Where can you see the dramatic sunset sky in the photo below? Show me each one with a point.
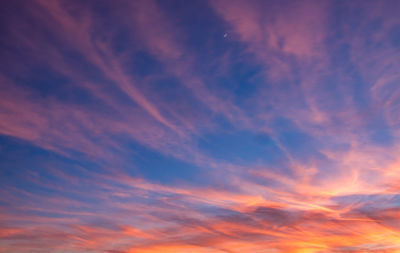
(199, 126)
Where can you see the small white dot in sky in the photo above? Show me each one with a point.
(225, 35)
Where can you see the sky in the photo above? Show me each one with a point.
(201, 126)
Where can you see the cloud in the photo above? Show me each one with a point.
(124, 131)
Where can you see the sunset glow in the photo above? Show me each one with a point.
(199, 126)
